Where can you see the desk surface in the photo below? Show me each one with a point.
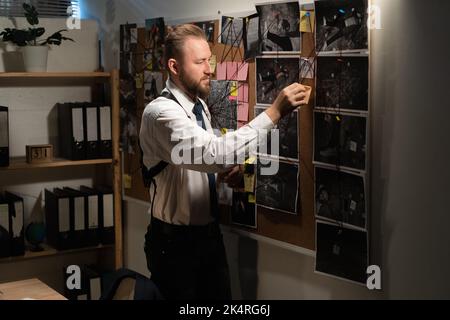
(28, 289)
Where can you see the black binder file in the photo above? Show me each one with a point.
(92, 206)
(4, 137)
(16, 218)
(78, 210)
(59, 219)
(71, 124)
(106, 215)
(92, 131)
(5, 237)
(105, 132)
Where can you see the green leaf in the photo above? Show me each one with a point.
(31, 14)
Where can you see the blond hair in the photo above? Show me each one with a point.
(175, 40)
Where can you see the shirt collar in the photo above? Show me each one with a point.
(183, 98)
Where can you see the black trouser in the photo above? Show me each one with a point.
(187, 262)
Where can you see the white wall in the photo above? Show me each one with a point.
(273, 273)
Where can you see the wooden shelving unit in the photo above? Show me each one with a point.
(21, 164)
(49, 251)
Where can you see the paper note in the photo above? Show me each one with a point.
(251, 198)
(127, 181)
(307, 21)
(243, 92)
(221, 72)
(232, 68)
(234, 89)
(224, 131)
(242, 71)
(213, 63)
(139, 80)
(249, 182)
(250, 160)
(242, 112)
(353, 146)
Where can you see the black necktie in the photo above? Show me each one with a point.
(197, 110)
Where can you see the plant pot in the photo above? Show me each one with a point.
(35, 58)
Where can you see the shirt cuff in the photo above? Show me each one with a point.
(262, 121)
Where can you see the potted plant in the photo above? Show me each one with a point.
(34, 49)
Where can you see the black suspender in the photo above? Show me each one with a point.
(148, 175)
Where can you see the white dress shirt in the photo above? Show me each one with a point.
(182, 192)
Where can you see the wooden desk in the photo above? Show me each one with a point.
(28, 289)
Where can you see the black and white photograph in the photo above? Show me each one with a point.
(278, 190)
(288, 137)
(341, 25)
(209, 28)
(155, 31)
(128, 37)
(342, 83)
(340, 196)
(243, 212)
(232, 31)
(307, 68)
(223, 110)
(252, 43)
(340, 140)
(341, 252)
(279, 26)
(272, 75)
(153, 85)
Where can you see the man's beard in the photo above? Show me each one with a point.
(195, 88)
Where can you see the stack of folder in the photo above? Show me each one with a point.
(84, 131)
(12, 241)
(79, 218)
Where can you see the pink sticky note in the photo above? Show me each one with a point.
(232, 68)
(244, 96)
(242, 112)
(221, 71)
(240, 124)
(242, 71)
(232, 98)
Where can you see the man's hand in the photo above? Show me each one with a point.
(233, 177)
(289, 99)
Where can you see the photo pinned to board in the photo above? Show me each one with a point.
(273, 74)
(243, 211)
(342, 83)
(340, 139)
(277, 185)
(341, 26)
(288, 137)
(279, 27)
(341, 252)
(232, 31)
(223, 110)
(340, 196)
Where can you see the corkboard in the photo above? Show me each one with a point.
(298, 229)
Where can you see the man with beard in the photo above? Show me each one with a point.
(184, 246)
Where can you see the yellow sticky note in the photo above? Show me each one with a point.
(224, 131)
(338, 118)
(251, 198)
(139, 78)
(307, 21)
(249, 182)
(127, 181)
(250, 160)
(213, 63)
(234, 89)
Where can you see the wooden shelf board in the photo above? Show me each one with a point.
(55, 75)
(49, 251)
(21, 163)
